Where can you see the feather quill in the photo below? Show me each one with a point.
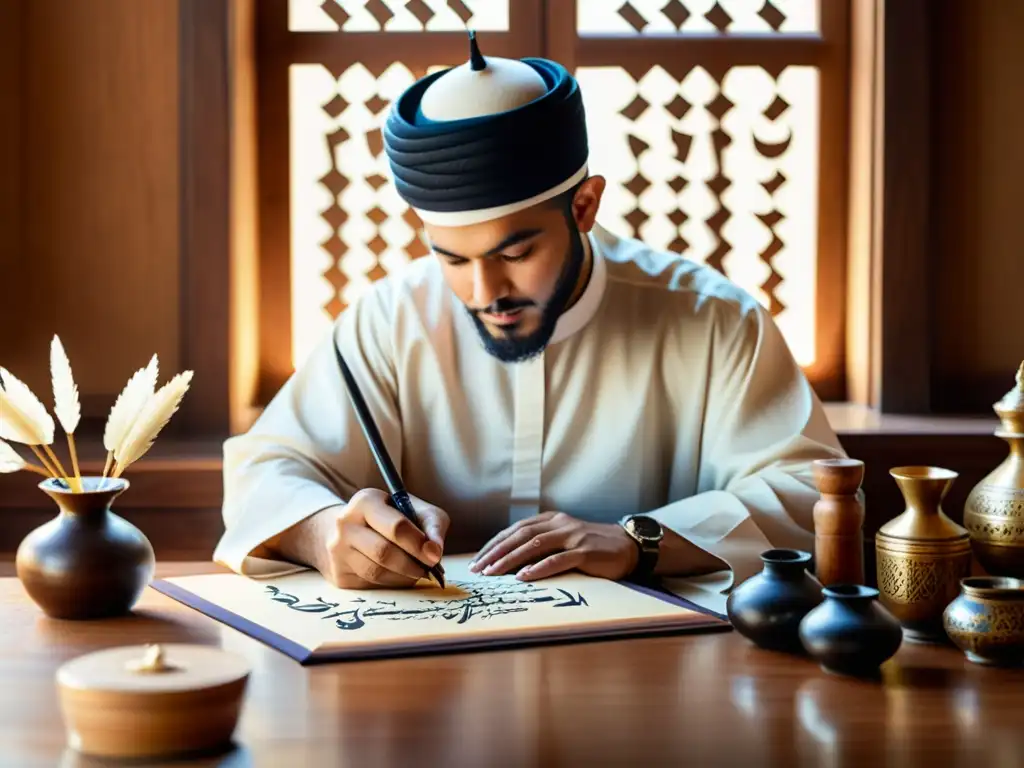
(158, 411)
(23, 418)
(133, 398)
(65, 402)
(65, 392)
(10, 462)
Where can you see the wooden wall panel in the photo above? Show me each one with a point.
(903, 328)
(99, 192)
(205, 166)
(11, 13)
(244, 222)
(862, 336)
(978, 225)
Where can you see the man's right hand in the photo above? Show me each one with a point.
(369, 544)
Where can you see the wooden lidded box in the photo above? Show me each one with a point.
(152, 701)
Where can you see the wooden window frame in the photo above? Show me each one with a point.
(176, 494)
(828, 50)
(277, 50)
(551, 33)
(889, 304)
(886, 345)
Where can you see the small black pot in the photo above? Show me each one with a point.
(851, 633)
(767, 608)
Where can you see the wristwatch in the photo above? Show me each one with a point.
(647, 533)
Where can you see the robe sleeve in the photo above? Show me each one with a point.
(764, 426)
(307, 452)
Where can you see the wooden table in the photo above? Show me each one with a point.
(702, 700)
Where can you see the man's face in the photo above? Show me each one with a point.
(516, 275)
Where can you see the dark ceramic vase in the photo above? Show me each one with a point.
(851, 633)
(86, 563)
(767, 608)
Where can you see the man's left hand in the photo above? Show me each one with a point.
(554, 542)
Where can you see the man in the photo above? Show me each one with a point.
(573, 399)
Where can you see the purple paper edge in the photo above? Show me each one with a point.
(306, 657)
(395, 650)
(669, 597)
(288, 647)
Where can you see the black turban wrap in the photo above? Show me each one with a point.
(485, 162)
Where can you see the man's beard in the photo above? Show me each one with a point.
(516, 349)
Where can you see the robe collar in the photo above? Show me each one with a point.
(581, 313)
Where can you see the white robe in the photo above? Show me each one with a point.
(665, 390)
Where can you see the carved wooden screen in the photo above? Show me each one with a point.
(720, 126)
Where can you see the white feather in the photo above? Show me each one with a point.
(65, 392)
(133, 398)
(153, 418)
(10, 461)
(23, 418)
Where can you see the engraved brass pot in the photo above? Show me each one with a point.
(994, 512)
(986, 621)
(921, 555)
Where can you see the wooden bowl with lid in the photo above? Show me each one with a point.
(152, 701)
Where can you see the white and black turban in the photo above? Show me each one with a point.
(486, 139)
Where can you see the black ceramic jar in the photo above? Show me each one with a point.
(767, 608)
(851, 633)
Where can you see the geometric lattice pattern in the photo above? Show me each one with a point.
(696, 16)
(717, 166)
(349, 226)
(722, 171)
(396, 15)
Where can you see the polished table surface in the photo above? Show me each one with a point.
(705, 700)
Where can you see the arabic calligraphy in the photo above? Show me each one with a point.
(484, 600)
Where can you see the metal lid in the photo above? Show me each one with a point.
(1010, 409)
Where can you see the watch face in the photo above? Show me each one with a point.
(645, 527)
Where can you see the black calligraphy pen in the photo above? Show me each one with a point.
(399, 496)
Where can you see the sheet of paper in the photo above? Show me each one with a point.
(307, 610)
(707, 591)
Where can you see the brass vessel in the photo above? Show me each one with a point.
(921, 555)
(994, 512)
(986, 621)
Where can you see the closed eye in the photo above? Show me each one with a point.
(521, 257)
(521, 237)
(458, 261)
